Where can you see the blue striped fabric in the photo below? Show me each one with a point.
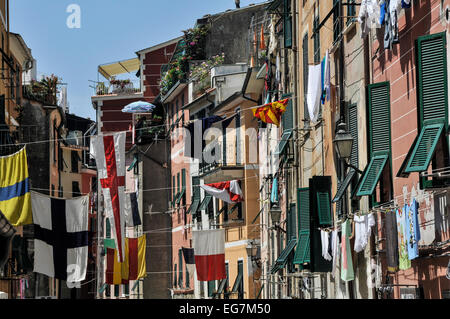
(16, 190)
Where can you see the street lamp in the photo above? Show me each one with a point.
(275, 214)
(343, 142)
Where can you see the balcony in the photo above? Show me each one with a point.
(118, 87)
(220, 167)
(38, 94)
(147, 127)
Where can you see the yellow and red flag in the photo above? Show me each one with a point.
(271, 112)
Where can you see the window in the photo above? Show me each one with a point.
(336, 20)
(75, 158)
(238, 286)
(116, 291)
(379, 130)
(430, 145)
(287, 27)
(305, 77)
(238, 136)
(316, 39)
(351, 12)
(175, 274)
(173, 190)
(195, 202)
(287, 119)
(75, 189)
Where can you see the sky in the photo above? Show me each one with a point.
(109, 31)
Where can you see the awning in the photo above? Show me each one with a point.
(282, 259)
(121, 67)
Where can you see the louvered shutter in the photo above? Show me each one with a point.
(379, 118)
(432, 77)
(372, 175)
(353, 130)
(302, 252)
(287, 119)
(324, 208)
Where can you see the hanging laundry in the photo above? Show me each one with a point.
(314, 91)
(391, 241)
(228, 191)
(363, 227)
(274, 193)
(262, 41)
(273, 38)
(326, 82)
(334, 249)
(404, 262)
(406, 4)
(369, 16)
(325, 239)
(413, 230)
(347, 273)
(382, 11)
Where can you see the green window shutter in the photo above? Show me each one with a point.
(188, 283)
(379, 119)
(194, 206)
(283, 143)
(287, 27)
(175, 274)
(424, 148)
(178, 182)
(183, 177)
(180, 269)
(344, 185)
(108, 228)
(324, 208)
(211, 286)
(302, 252)
(303, 209)
(432, 77)
(283, 258)
(291, 227)
(287, 119)
(173, 188)
(205, 202)
(371, 175)
(353, 130)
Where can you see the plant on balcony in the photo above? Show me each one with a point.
(177, 71)
(195, 40)
(121, 86)
(44, 90)
(200, 73)
(101, 88)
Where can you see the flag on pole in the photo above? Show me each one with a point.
(133, 267)
(61, 236)
(271, 113)
(14, 188)
(209, 254)
(109, 153)
(229, 192)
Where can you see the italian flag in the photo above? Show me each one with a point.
(209, 254)
(229, 191)
(133, 267)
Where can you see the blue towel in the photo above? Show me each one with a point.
(382, 13)
(274, 195)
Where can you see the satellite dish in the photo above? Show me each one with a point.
(28, 65)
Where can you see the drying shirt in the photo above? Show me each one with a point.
(363, 226)
(369, 16)
(335, 249)
(413, 231)
(403, 260)
(347, 273)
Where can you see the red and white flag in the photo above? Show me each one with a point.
(209, 254)
(109, 154)
(229, 192)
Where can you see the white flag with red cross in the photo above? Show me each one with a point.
(109, 154)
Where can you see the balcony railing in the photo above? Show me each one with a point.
(118, 87)
(38, 95)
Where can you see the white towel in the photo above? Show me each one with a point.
(334, 249)
(325, 243)
(314, 91)
(363, 226)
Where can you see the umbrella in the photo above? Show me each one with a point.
(139, 106)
